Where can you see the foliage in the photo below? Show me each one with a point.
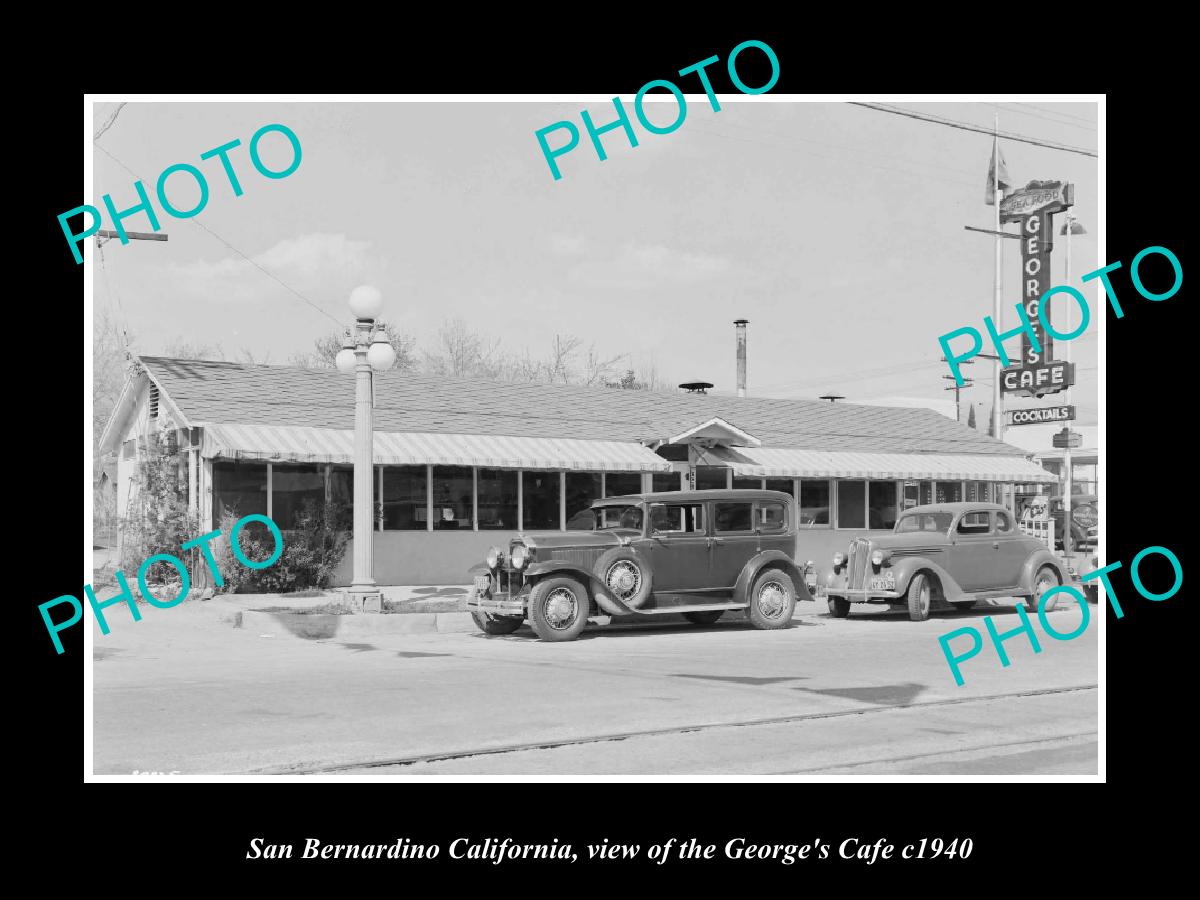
(157, 518)
(312, 550)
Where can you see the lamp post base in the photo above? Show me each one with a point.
(363, 599)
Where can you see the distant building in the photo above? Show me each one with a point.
(461, 465)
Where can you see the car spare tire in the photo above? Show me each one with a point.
(625, 575)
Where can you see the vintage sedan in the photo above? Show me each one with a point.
(698, 553)
(944, 556)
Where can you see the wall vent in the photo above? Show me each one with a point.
(154, 401)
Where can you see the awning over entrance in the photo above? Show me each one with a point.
(784, 463)
(295, 444)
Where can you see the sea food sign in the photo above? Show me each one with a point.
(1034, 207)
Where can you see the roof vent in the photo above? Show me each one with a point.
(154, 401)
(696, 387)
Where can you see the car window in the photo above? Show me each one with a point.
(619, 517)
(1004, 523)
(939, 522)
(677, 518)
(733, 516)
(974, 523)
(771, 516)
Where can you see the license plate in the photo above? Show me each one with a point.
(482, 584)
(879, 584)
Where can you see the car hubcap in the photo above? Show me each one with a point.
(1044, 584)
(925, 599)
(623, 578)
(561, 607)
(772, 599)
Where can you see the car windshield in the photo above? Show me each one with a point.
(937, 521)
(625, 516)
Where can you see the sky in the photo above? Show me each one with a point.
(835, 229)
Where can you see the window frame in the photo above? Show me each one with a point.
(733, 533)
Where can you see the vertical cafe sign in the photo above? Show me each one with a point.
(1034, 206)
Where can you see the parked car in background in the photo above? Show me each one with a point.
(943, 556)
(698, 553)
(1085, 518)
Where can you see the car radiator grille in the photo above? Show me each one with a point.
(857, 563)
(585, 559)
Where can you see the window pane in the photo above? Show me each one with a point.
(497, 499)
(404, 507)
(741, 481)
(733, 517)
(582, 489)
(618, 484)
(540, 492)
(772, 516)
(949, 491)
(926, 493)
(239, 488)
(851, 502)
(781, 484)
(666, 481)
(882, 504)
(452, 487)
(814, 502)
(341, 489)
(974, 523)
(710, 478)
(678, 518)
(291, 486)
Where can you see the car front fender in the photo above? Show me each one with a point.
(587, 579)
(909, 566)
(1036, 560)
(775, 559)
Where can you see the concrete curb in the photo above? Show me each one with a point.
(323, 626)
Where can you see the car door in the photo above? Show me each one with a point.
(733, 541)
(676, 544)
(1012, 549)
(972, 557)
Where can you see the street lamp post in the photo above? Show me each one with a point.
(366, 350)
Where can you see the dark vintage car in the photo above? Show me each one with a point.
(699, 553)
(943, 556)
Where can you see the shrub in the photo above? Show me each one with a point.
(311, 551)
(157, 519)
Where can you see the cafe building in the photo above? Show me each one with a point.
(461, 465)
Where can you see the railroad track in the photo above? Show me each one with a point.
(519, 747)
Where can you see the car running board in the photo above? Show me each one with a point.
(694, 607)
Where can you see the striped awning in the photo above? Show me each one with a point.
(771, 462)
(331, 445)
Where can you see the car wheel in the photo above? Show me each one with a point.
(625, 575)
(490, 624)
(558, 609)
(704, 618)
(963, 605)
(1045, 579)
(920, 594)
(839, 607)
(772, 600)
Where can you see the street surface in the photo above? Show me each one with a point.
(869, 695)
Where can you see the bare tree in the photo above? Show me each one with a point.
(326, 348)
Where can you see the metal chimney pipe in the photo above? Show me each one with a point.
(741, 324)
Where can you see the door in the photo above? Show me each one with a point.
(973, 559)
(1012, 549)
(733, 541)
(676, 544)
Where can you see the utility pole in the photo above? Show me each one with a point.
(957, 388)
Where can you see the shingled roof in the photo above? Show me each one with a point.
(210, 392)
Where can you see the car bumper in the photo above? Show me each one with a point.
(497, 604)
(861, 595)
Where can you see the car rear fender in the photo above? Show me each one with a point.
(1036, 560)
(773, 559)
(909, 566)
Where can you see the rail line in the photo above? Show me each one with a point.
(552, 744)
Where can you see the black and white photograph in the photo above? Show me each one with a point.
(689, 435)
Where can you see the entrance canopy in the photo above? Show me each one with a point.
(771, 462)
(330, 445)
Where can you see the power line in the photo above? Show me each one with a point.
(1059, 112)
(1021, 112)
(265, 271)
(967, 126)
(848, 377)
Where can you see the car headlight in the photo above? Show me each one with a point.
(810, 565)
(838, 559)
(520, 556)
(494, 555)
(877, 558)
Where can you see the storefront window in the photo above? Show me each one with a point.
(742, 481)
(238, 488)
(881, 504)
(452, 492)
(780, 484)
(291, 488)
(497, 498)
(539, 496)
(710, 478)
(341, 489)
(618, 484)
(949, 492)
(912, 494)
(666, 481)
(404, 506)
(814, 502)
(851, 504)
(926, 493)
(582, 489)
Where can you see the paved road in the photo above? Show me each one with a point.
(869, 695)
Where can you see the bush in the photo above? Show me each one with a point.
(157, 519)
(311, 551)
